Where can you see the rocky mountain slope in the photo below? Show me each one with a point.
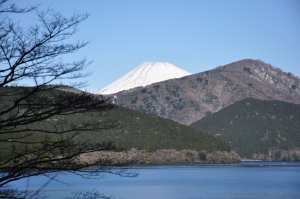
(257, 129)
(188, 99)
(145, 74)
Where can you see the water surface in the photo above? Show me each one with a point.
(247, 180)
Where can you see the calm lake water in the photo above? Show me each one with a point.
(248, 180)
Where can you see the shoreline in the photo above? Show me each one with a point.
(172, 157)
(258, 164)
(160, 157)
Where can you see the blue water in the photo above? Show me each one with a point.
(248, 180)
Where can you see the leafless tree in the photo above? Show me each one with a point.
(37, 132)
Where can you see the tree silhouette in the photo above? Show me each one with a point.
(37, 134)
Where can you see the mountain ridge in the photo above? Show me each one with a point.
(193, 97)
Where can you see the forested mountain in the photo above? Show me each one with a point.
(257, 129)
(121, 128)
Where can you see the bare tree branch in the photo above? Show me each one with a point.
(6, 7)
(38, 134)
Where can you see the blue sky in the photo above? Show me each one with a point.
(196, 35)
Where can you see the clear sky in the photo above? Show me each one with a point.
(195, 35)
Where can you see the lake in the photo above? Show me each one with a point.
(259, 180)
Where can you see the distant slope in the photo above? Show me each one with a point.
(191, 98)
(254, 126)
(145, 74)
(132, 129)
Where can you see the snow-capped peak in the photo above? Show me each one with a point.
(145, 74)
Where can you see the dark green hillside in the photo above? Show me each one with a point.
(147, 132)
(253, 127)
(132, 130)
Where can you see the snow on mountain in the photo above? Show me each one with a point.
(143, 75)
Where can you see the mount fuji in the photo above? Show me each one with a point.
(145, 74)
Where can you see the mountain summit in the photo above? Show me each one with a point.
(143, 75)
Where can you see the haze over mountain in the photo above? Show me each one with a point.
(193, 97)
(145, 74)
